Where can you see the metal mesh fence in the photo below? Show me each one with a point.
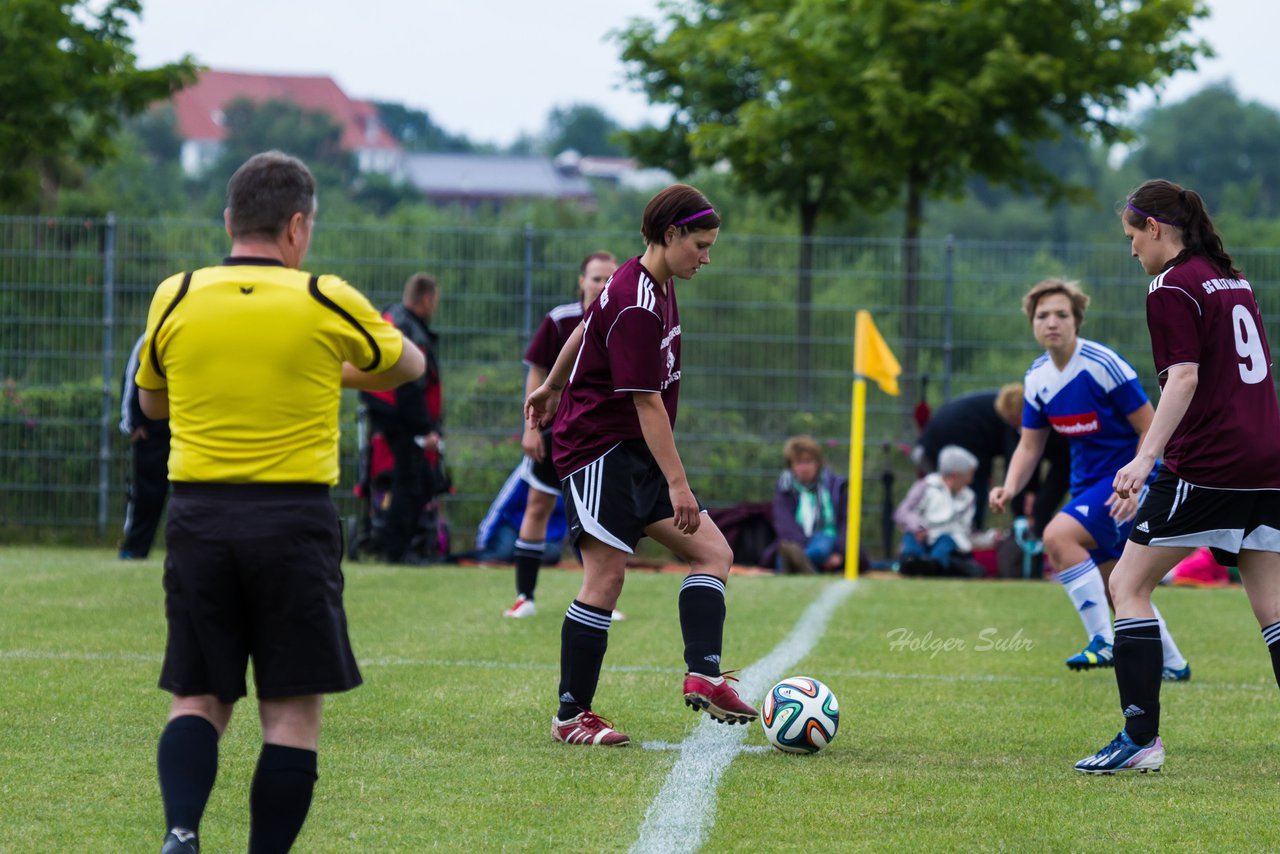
(74, 296)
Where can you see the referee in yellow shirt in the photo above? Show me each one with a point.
(247, 360)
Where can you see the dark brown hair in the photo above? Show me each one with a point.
(679, 205)
(265, 193)
(1166, 202)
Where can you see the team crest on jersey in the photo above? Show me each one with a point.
(1076, 425)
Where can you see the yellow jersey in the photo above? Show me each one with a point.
(250, 354)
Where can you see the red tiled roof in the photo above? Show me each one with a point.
(199, 106)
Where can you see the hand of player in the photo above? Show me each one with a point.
(833, 562)
(531, 444)
(1123, 509)
(687, 514)
(541, 405)
(998, 498)
(1132, 477)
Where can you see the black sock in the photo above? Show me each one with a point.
(187, 762)
(280, 797)
(584, 637)
(1271, 634)
(702, 623)
(1139, 660)
(528, 560)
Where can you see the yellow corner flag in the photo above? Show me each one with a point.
(872, 357)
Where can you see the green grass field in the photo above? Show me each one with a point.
(959, 746)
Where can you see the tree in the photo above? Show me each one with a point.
(311, 135)
(415, 130)
(69, 77)
(824, 104)
(1225, 149)
(584, 128)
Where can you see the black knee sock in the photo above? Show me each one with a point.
(702, 623)
(1271, 634)
(528, 560)
(1139, 659)
(187, 762)
(280, 797)
(584, 637)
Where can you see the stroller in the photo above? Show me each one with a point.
(374, 469)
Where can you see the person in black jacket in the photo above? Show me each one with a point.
(410, 420)
(149, 452)
(976, 423)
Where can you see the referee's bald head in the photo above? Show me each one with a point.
(265, 193)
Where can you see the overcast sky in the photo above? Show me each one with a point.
(494, 69)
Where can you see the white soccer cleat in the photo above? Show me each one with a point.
(523, 607)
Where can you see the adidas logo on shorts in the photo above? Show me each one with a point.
(1144, 528)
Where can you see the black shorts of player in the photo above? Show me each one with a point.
(541, 476)
(616, 497)
(1177, 513)
(253, 572)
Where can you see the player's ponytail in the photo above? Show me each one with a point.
(1168, 203)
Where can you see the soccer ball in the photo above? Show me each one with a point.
(800, 715)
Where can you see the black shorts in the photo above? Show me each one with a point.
(616, 497)
(1176, 513)
(253, 572)
(541, 476)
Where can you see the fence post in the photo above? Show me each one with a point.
(527, 326)
(108, 349)
(948, 342)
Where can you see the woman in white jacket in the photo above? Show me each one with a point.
(937, 518)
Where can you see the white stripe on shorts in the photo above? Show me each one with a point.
(1262, 539)
(1180, 494)
(587, 504)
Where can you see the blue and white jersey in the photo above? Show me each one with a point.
(1088, 402)
(508, 509)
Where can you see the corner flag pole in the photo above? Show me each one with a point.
(872, 359)
(857, 440)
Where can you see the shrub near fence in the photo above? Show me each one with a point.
(74, 295)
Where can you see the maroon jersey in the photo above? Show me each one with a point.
(631, 343)
(1230, 435)
(555, 329)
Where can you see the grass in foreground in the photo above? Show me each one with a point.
(959, 722)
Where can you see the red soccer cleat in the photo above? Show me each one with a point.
(587, 728)
(716, 695)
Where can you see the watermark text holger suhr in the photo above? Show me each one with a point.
(987, 640)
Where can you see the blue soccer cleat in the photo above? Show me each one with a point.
(1123, 755)
(1169, 674)
(1097, 654)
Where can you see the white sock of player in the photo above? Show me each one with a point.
(1088, 592)
(1172, 655)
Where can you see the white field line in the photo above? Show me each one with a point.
(685, 808)
(1267, 684)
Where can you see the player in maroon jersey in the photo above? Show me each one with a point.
(622, 476)
(537, 469)
(1217, 429)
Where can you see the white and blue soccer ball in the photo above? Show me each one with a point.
(800, 715)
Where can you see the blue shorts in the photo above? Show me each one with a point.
(1090, 509)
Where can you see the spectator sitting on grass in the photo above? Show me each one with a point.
(809, 510)
(936, 519)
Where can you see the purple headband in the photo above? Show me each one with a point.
(695, 216)
(1145, 215)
